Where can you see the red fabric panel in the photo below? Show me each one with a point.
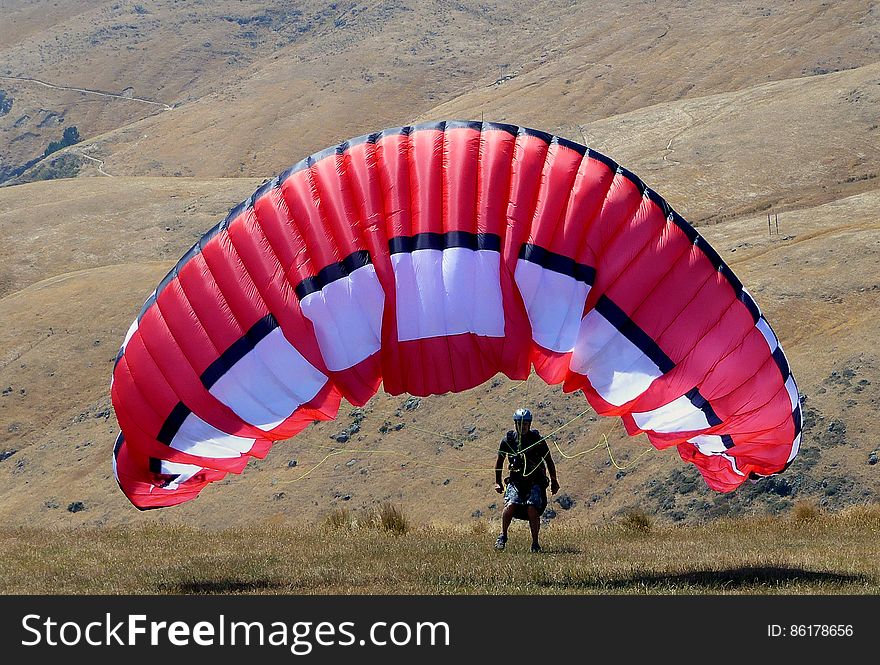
(621, 203)
(251, 241)
(392, 155)
(494, 176)
(556, 183)
(424, 162)
(334, 203)
(640, 239)
(299, 197)
(461, 172)
(528, 164)
(591, 187)
(208, 303)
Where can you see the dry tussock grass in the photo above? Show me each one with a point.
(868, 514)
(805, 511)
(636, 520)
(387, 517)
(392, 519)
(339, 518)
(833, 553)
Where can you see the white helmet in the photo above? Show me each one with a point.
(522, 422)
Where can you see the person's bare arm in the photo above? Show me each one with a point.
(551, 469)
(499, 466)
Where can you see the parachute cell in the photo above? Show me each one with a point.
(429, 259)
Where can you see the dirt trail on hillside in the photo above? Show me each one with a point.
(99, 162)
(813, 235)
(87, 91)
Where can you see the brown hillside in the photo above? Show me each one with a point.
(249, 80)
(729, 112)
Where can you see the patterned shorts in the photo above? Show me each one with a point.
(525, 496)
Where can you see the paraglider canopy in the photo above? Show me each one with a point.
(429, 259)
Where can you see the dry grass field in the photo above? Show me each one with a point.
(809, 553)
(732, 111)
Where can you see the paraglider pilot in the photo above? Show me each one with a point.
(525, 494)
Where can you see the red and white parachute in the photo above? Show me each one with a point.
(430, 258)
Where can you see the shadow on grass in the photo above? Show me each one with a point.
(730, 578)
(562, 549)
(208, 587)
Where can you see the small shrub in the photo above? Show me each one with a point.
(805, 511)
(636, 520)
(392, 519)
(339, 519)
(69, 137)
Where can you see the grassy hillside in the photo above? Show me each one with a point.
(255, 83)
(730, 112)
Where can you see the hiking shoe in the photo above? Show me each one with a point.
(536, 547)
(501, 542)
